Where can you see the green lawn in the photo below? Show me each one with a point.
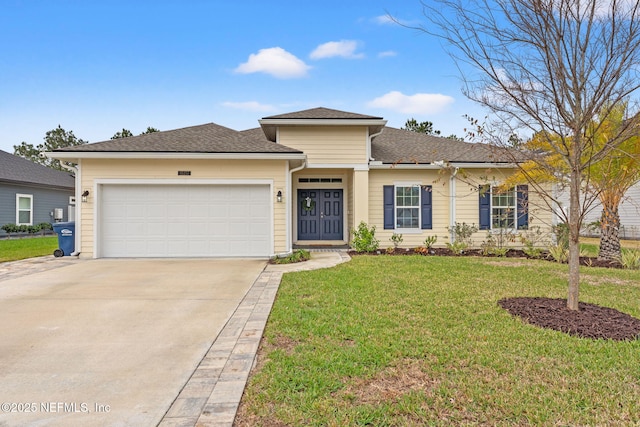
(15, 249)
(411, 340)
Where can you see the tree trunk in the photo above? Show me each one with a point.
(574, 240)
(609, 234)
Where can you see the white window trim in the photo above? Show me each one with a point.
(514, 190)
(417, 230)
(18, 210)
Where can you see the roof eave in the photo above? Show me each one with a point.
(434, 166)
(74, 156)
(37, 184)
(269, 125)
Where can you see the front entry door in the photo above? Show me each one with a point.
(320, 215)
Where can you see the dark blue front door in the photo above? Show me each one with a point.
(320, 215)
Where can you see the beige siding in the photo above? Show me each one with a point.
(467, 201)
(328, 144)
(92, 170)
(440, 200)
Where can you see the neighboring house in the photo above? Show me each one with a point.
(304, 178)
(30, 193)
(629, 212)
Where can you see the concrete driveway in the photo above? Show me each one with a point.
(113, 341)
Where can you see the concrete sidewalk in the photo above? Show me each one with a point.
(212, 394)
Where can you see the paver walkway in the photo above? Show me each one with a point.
(212, 394)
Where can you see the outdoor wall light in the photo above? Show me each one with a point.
(279, 196)
(84, 196)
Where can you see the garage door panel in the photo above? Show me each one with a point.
(185, 220)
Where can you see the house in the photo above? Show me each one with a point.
(31, 193)
(628, 211)
(303, 178)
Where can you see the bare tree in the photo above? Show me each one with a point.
(547, 66)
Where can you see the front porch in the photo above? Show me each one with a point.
(325, 207)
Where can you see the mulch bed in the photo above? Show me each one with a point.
(590, 321)
(511, 253)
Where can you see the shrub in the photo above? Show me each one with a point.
(430, 241)
(364, 239)
(298, 255)
(457, 247)
(561, 232)
(630, 259)
(559, 253)
(10, 228)
(533, 240)
(396, 239)
(463, 232)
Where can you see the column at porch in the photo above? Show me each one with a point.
(360, 196)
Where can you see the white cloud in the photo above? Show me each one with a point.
(420, 103)
(387, 54)
(394, 20)
(249, 106)
(384, 20)
(276, 62)
(343, 48)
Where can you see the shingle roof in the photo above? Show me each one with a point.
(323, 113)
(403, 146)
(391, 146)
(15, 169)
(207, 138)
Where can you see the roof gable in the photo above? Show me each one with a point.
(18, 170)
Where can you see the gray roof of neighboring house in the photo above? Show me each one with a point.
(17, 170)
(207, 138)
(323, 113)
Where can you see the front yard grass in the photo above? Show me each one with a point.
(413, 340)
(28, 247)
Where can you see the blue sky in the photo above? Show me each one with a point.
(95, 67)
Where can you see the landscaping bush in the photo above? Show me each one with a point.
(364, 239)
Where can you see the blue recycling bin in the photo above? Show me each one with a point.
(66, 238)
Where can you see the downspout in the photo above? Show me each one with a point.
(369, 144)
(76, 172)
(452, 203)
(289, 204)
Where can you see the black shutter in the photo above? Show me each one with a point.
(523, 207)
(485, 207)
(389, 207)
(425, 202)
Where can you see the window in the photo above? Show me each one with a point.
(408, 207)
(504, 209)
(24, 209)
(319, 179)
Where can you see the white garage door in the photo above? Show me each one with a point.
(185, 221)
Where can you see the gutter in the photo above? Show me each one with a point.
(369, 144)
(452, 202)
(76, 172)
